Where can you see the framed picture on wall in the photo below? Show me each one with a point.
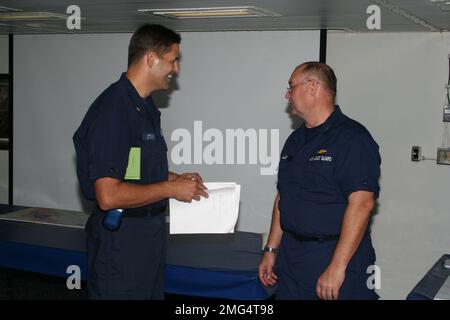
(4, 111)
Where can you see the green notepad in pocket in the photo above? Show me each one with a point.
(134, 164)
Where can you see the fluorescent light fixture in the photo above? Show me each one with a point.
(407, 15)
(209, 13)
(24, 16)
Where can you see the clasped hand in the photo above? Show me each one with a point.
(189, 186)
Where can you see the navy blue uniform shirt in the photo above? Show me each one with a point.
(118, 120)
(319, 168)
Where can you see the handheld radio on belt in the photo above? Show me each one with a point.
(112, 219)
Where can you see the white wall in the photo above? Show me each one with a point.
(228, 80)
(232, 80)
(56, 78)
(394, 84)
(4, 68)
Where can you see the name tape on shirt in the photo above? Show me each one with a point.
(321, 157)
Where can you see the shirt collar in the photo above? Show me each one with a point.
(145, 102)
(334, 118)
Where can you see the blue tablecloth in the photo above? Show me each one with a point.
(217, 266)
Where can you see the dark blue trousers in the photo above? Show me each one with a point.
(301, 263)
(127, 263)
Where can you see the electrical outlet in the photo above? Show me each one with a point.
(443, 156)
(416, 153)
(446, 114)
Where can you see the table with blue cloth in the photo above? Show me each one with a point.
(48, 241)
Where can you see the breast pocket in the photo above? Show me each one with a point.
(154, 166)
(320, 170)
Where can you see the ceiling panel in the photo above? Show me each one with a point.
(101, 16)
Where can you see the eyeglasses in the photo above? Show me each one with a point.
(289, 89)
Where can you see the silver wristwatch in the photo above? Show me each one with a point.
(270, 249)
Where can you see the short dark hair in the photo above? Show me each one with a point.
(323, 72)
(151, 37)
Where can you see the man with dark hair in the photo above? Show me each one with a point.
(327, 186)
(122, 166)
(154, 37)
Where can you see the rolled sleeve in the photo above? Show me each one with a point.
(359, 166)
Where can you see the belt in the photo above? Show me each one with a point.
(144, 211)
(317, 238)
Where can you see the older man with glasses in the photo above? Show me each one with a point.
(327, 186)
